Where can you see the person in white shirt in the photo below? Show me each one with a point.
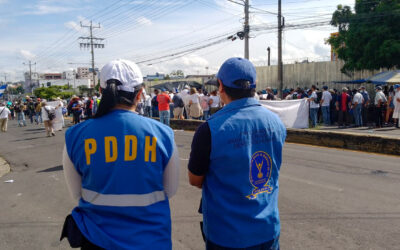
(5, 113)
(48, 115)
(325, 106)
(396, 102)
(184, 94)
(214, 102)
(380, 100)
(204, 99)
(357, 102)
(314, 106)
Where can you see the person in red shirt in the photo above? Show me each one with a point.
(163, 100)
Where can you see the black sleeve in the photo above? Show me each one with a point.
(201, 149)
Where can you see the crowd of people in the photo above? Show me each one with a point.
(348, 107)
(35, 110)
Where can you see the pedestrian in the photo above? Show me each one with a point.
(154, 104)
(195, 111)
(270, 94)
(38, 111)
(396, 101)
(178, 106)
(76, 109)
(5, 114)
(325, 106)
(31, 109)
(342, 106)
(147, 106)
(236, 157)
(204, 102)
(164, 100)
(389, 105)
(48, 115)
(314, 106)
(357, 102)
(214, 102)
(19, 110)
(380, 100)
(365, 107)
(58, 121)
(122, 176)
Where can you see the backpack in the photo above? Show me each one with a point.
(51, 115)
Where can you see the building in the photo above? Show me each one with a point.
(69, 75)
(157, 76)
(87, 73)
(73, 83)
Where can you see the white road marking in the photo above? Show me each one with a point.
(312, 183)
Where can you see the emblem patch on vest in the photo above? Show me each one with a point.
(260, 174)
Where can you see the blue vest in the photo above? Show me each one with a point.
(240, 191)
(121, 158)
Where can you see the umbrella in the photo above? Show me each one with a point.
(386, 77)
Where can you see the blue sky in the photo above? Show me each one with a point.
(47, 32)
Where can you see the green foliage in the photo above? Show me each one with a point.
(369, 37)
(52, 92)
(16, 91)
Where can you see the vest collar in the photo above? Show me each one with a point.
(238, 104)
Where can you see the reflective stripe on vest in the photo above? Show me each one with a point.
(122, 200)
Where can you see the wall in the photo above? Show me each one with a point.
(306, 74)
(73, 83)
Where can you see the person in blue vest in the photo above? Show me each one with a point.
(235, 159)
(123, 168)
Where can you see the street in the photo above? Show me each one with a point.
(329, 198)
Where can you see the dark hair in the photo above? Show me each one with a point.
(111, 96)
(243, 92)
(314, 87)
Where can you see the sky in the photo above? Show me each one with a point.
(160, 35)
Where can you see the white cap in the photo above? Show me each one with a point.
(127, 72)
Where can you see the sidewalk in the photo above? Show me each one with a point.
(390, 132)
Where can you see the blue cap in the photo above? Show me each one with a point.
(163, 90)
(235, 69)
(396, 86)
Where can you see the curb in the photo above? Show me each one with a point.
(342, 140)
(4, 167)
(353, 141)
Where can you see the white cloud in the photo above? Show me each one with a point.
(72, 25)
(26, 54)
(43, 9)
(144, 21)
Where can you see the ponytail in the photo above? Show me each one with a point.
(111, 96)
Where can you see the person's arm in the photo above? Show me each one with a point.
(171, 174)
(72, 177)
(199, 160)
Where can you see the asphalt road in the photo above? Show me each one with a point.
(329, 198)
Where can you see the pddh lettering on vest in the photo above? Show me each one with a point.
(130, 151)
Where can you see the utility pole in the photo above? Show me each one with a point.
(269, 56)
(30, 73)
(246, 29)
(90, 43)
(280, 65)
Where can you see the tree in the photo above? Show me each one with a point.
(369, 37)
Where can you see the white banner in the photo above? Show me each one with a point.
(58, 122)
(293, 113)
